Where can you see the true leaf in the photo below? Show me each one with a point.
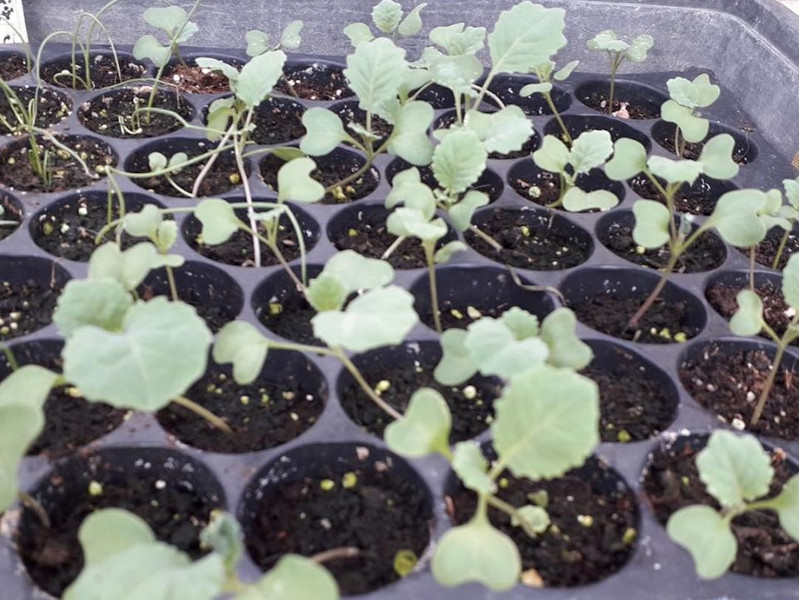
(456, 365)
(576, 200)
(747, 319)
(293, 578)
(290, 36)
(454, 72)
(590, 150)
(734, 468)
(257, 42)
(381, 317)
(630, 158)
(258, 77)
(358, 32)
(224, 535)
(458, 40)
(790, 285)
(494, 349)
(698, 93)
(96, 302)
(375, 72)
(386, 15)
(326, 293)
(524, 36)
(503, 131)
(218, 219)
(296, 184)
(637, 52)
(786, 505)
(607, 41)
(461, 213)
(520, 323)
(128, 267)
(446, 252)
(675, 171)
(424, 428)
(241, 344)
(168, 19)
(459, 160)
(159, 352)
(412, 23)
(707, 537)
(471, 467)
(410, 140)
(565, 347)
(652, 223)
(553, 155)
(324, 131)
(356, 272)
(533, 519)
(546, 422)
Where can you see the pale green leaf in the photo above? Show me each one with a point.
(534, 520)
(675, 171)
(326, 293)
(258, 77)
(324, 131)
(386, 15)
(747, 319)
(791, 287)
(128, 267)
(461, 213)
(257, 42)
(220, 113)
(458, 40)
(494, 349)
(546, 422)
(652, 223)
(218, 219)
(149, 47)
(168, 19)
(231, 72)
(159, 352)
(424, 428)
(524, 36)
(22, 396)
(786, 505)
(503, 131)
(576, 200)
(629, 159)
(736, 217)
(241, 344)
(553, 155)
(791, 188)
(143, 223)
(223, 535)
(535, 88)
(607, 41)
(476, 552)
(693, 128)
(293, 578)
(412, 22)
(110, 531)
(358, 32)
(717, 157)
(296, 184)
(472, 468)
(734, 468)
(91, 302)
(356, 272)
(381, 317)
(445, 253)
(698, 93)
(707, 537)
(375, 72)
(410, 222)
(290, 36)
(590, 150)
(409, 190)
(410, 139)
(521, 323)
(457, 73)
(458, 161)
(637, 52)
(560, 335)
(566, 70)
(456, 366)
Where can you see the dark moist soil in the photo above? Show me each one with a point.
(67, 173)
(65, 232)
(261, 415)
(705, 254)
(314, 82)
(610, 314)
(11, 212)
(689, 199)
(25, 307)
(238, 250)
(12, 66)
(593, 531)
(692, 150)
(222, 177)
(380, 514)
(175, 512)
(768, 248)
(672, 482)
(549, 185)
(599, 102)
(277, 122)
(528, 244)
(102, 113)
(196, 80)
(470, 403)
(632, 407)
(52, 107)
(370, 238)
(350, 113)
(730, 385)
(456, 314)
(215, 314)
(722, 299)
(290, 318)
(328, 172)
(102, 71)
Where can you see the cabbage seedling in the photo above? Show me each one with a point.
(749, 321)
(619, 51)
(388, 17)
(685, 98)
(545, 73)
(737, 473)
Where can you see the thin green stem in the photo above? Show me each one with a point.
(12, 360)
(430, 247)
(202, 412)
(634, 320)
(173, 288)
(394, 246)
(787, 338)
(781, 246)
(353, 370)
(486, 237)
(335, 554)
(549, 99)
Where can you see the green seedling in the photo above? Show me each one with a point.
(749, 321)
(788, 214)
(741, 217)
(685, 98)
(258, 41)
(619, 51)
(545, 73)
(387, 16)
(589, 151)
(737, 473)
(123, 559)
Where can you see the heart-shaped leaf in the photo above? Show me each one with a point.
(293, 578)
(218, 219)
(630, 159)
(786, 505)
(493, 347)
(576, 200)
(456, 365)
(790, 285)
(565, 347)
(324, 131)
(472, 468)
(461, 213)
(707, 537)
(553, 155)
(128, 267)
(747, 319)
(241, 344)
(358, 32)
(296, 184)
(424, 428)
(652, 223)
(290, 36)
(717, 157)
(445, 253)
(410, 139)
(590, 150)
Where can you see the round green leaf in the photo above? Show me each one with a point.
(424, 428)
(456, 365)
(355, 272)
(607, 41)
(410, 222)
(472, 468)
(652, 223)
(520, 323)
(698, 93)
(566, 70)
(148, 46)
(565, 347)
(590, 150)
(128, 267)
(218, 219)
(413, 22)
(257, 42)
(290, 36)
(386, 15)
(736, 217)
(296, 184)
(143, 223)
(241, 344)
(324, 131)
(461, 213)
(326, 293)
(553, 155)
(258, 77)
(524, 36)
(533, 519)
(576, 200)
(630, 158)
(110, 531)
(445, 253)
(493, 348)
(503, 131)
(294, 578)
(535, 88)
(357, 33)
(410, 139)
(638, 49)
(786, 504)
(91, 302)
(717, 157)
(747, 319)
(160, 351)
(675, 171)
(231, 72)
(707, 537)
(693, 128)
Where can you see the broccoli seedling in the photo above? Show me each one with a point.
(545, 73)
(619, 51)
(685, 98)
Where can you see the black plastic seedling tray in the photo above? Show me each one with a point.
(657, 570)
